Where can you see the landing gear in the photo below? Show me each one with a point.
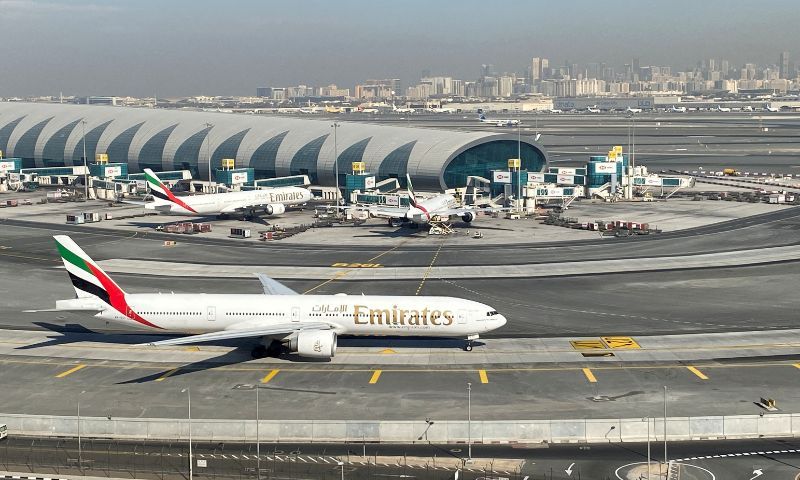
(468, 346)
(273, 349)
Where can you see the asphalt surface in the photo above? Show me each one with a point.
(777, 459)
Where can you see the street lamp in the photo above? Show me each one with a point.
(209, 126)
(519, 167)
(335, 127)
(647, 419)
(258, 439)
(188, 391)
(469, 421)
(341, 464)
(665, 425)
(85, 167)
(80, 449)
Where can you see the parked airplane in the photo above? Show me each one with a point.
(593, 109)
(675, 109)
(556, 110)
(500, 123)
(272, 201)
(307, 324)
(772, 109)
(434, 210)
(402, 109)
(723, 109)
(633, 110)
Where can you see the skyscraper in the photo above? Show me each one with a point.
(536, 69)
(784, 65)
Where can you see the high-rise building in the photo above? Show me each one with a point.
(536, 69)
(487, 70)
(264, 92)
(505, 86)
(784, 65)
(545, 68)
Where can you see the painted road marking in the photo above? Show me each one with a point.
(484, 377)
(71, 371)
(167, 374)
(357, 265)
(270, 375)
(342, 273)
(589, 375)
(697, 372)
(376, 374)
(430, 267)
(623, 343)
(797, 365)
(587, 344)
(388, 351)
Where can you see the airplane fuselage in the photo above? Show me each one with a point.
(346, 314)
(222, 203)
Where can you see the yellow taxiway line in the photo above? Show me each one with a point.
(589, 375)
(376, 374)
(71, 371)
(167, 375)
(484, 376)
(697, 372)
(270, 376)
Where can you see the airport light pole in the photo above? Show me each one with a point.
(85, 166)
(258, 439)
(188, 391)
(80, 449)
(209, 126)
(469, 421)
(666, 463)
(335, 127)
(519, 167)
(648, 448)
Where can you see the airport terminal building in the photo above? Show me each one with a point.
(46, 135)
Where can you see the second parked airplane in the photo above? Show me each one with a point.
(272, 201)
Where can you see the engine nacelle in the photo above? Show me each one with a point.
(275, 209)
(314, 343)
(468, 217)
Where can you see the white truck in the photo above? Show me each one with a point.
(3, 431)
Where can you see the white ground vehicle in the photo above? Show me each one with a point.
(3, 431)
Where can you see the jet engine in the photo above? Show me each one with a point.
(275, 209)
(314, 343)
(468, 217)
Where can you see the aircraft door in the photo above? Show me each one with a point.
(211, 313)
(295, 314)
(462, 317)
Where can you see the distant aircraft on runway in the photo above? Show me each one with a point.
(556, 110)
(507, 122)
(593, 109)
(633, 110)
(272, 201)
(307, 324)
(675, 109)
(720, 108)
(772, 109)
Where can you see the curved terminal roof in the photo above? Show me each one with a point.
(162, 139)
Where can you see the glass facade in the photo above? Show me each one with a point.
(395, 165)
(227, 149)
(481, 159)
(305, 160)
(187, 154)
(53, 152)
(263, 158)
(26, 144)
(5, 134)
(353, 153)
(152, 152)
(92, 137)
(119, 147)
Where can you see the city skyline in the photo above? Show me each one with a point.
(179, 49)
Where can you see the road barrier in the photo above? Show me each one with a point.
(533, 431)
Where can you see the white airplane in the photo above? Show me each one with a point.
(307, 324)
(500, 123)
(272, 201)
(593, 109)
(403, 109)
(633, 110)
(437, 209)
(772, 109)
(675, 109)
(723, 109)
(556, 110)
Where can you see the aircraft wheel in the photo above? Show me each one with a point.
(468, 346)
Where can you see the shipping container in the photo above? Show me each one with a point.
(240, 232)
(12, 203)
(202, 227)
(91, 217)
(75, 219)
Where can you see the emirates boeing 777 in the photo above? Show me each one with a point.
(307, 324)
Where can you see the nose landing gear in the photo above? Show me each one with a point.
(468, 346)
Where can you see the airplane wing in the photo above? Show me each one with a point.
(458, 211)
(274, 287)
(134, 202)
(378, 211)
(233, 332)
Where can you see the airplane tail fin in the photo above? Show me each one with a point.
(411, 197)
(162, 194)
(88, 279)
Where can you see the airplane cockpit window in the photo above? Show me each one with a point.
(492, 313)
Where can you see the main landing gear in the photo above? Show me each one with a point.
(468, 346)
(272, 350)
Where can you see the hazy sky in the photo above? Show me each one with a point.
(195, 47)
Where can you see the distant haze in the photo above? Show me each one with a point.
(190, 47)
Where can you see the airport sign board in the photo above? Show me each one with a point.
(605, 167)
(501, 177)
(393, 200)
(115, 171)
(239, 177)
(566, 171)
(536, 177)
(565, 180)
(7, 166)
(369, 183)
(653, 181)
